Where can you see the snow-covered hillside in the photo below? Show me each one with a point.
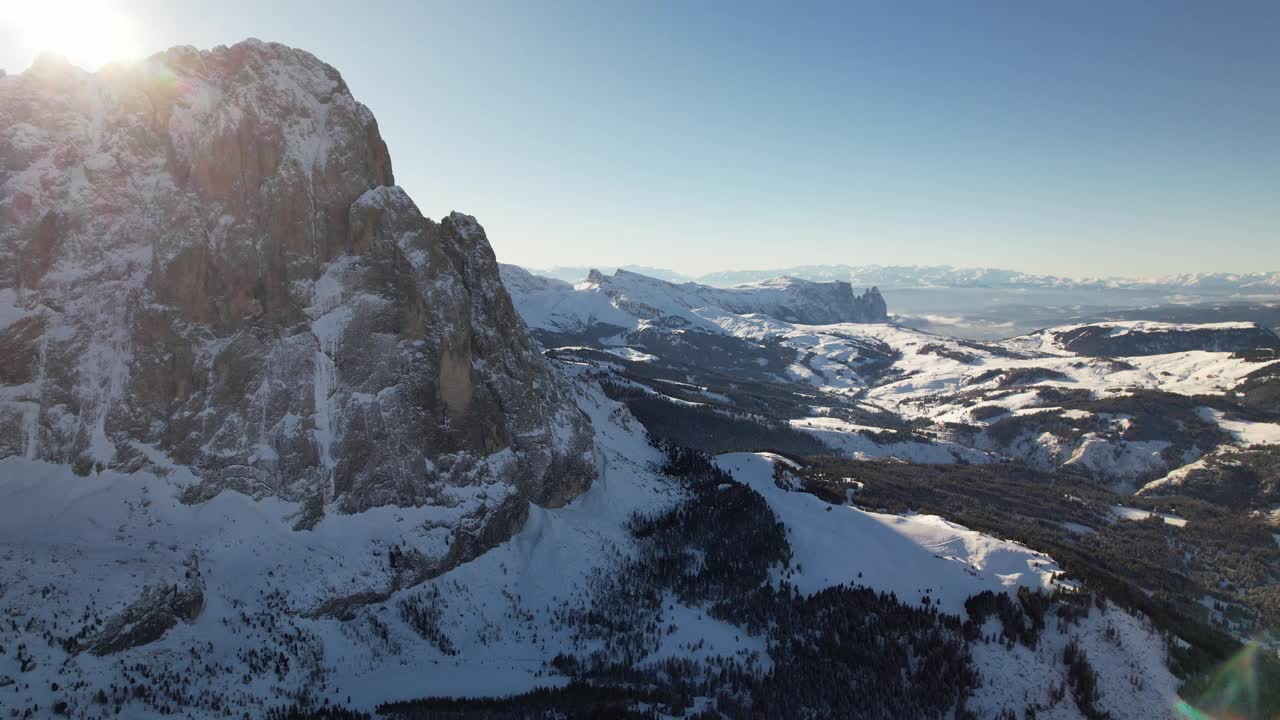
(1132, 338)
(1114, 400)
(919, 556)
(1053, 407)
(80, 553)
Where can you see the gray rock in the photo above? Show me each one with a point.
(149, 617)
(210, 262)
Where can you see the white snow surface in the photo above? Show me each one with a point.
(1124, 512)
(909, 555)
(1244, 431)
(855, 442)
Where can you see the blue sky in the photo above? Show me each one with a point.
(1130, 138)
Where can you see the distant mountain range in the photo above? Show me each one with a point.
(947, 276)
(628, 300)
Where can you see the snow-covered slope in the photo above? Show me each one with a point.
(1113, 400)
(80, 551)
(1123, 420)
(1135, 337)
(911, 556)
(919, 556)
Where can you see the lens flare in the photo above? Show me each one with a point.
(1231, 692)
(89, 33)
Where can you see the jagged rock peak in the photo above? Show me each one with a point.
(208, 265)
(786, 298)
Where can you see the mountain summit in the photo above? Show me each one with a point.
(213, 269)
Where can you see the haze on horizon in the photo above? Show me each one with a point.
(1084, 140)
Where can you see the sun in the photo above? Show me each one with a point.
(89, 33)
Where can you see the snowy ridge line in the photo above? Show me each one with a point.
(949, 276)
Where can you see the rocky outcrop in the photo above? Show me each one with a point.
(209, 265)
(149, 617)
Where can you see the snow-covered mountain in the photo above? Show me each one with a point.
(629, 300)
(1052, 399)
(272, 444)
(213, 269)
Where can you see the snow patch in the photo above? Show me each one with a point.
(1124, 512)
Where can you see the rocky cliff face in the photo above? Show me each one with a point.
(206, 263)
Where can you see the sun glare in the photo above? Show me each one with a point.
(89, 33)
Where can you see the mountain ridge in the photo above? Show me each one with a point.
(631, 300)
(949, 276)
